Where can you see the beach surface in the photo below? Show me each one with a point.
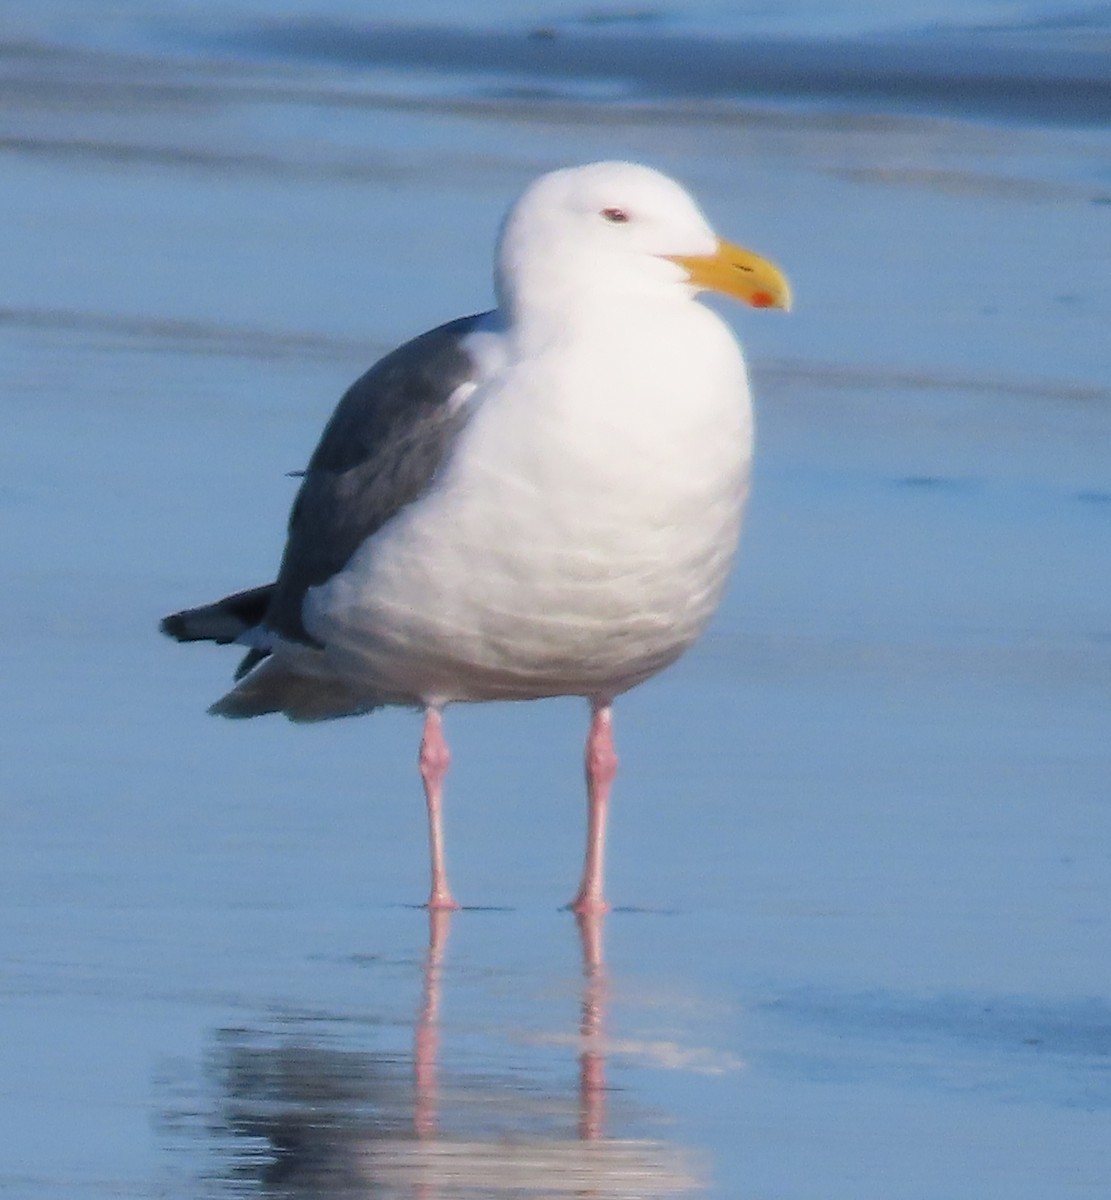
(861, 837)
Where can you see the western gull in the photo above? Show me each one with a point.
(539, 500)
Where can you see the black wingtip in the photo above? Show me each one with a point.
(223, 622)
(174, 626)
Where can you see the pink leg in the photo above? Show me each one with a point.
(601, 767)
(434, 760)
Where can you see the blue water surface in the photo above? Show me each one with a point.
(861, 844)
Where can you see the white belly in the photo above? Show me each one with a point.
(577, 540)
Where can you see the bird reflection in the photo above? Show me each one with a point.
(312, 1121)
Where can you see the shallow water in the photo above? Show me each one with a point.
(861, 847)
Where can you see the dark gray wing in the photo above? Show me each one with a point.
(379, 452)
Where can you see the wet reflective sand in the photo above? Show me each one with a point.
(860, 844)
(303, 1113)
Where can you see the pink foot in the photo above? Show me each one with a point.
(442, 902)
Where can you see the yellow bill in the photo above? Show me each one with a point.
(739, 273)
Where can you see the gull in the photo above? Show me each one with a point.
(539, 500)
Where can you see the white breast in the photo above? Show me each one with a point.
(578, 538)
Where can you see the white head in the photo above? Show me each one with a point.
(614, 228)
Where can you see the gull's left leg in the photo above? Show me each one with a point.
(434, 760)
(601, 767)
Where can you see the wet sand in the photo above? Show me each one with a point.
(860, 839)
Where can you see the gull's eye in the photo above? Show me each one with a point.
(615, 216)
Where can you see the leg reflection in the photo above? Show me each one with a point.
(592, 1059)
(327, 1119)
(427, 1033)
